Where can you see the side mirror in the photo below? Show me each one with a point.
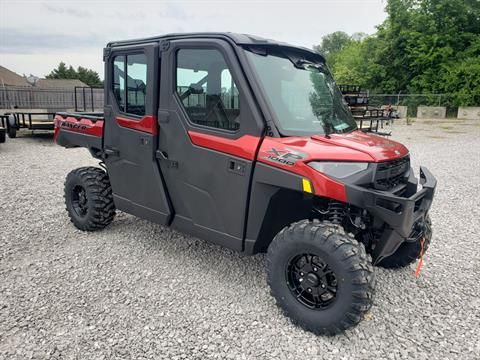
(195, 89)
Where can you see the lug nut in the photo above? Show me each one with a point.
(323, 286)
(309, 290)
(315, 269)
(300, 280)
(301, 274)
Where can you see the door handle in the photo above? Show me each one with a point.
(163, 156)
(111, 151)
(236, 166)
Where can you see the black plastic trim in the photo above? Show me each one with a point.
(400, 213)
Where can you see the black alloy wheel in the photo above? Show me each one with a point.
(79, 200)
(311, 281)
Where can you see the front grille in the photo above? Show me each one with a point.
(392, 175)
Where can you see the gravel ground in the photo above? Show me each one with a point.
(138, 290)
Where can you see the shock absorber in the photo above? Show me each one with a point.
(336, 212)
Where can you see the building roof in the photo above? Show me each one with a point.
(58, 83)
(10, 78)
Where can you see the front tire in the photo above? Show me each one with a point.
(320, 276)
(89, 198)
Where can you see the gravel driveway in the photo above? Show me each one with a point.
(138, 290)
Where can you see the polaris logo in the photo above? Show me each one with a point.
(72, 126)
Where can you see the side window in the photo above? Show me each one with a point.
(207, 90)
(119, 81)
(130, 83)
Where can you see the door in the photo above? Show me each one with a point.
(131, 132)
(209, 134)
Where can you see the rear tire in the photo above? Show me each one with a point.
(89, 198)
(11, 127)
(408, 252)
(2, 137)
(333, 280)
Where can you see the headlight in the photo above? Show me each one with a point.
(338, 170)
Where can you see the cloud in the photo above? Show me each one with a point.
(19, 41)
(36, 35)
(69, 11)
(174, 11)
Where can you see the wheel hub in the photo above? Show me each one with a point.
(80, 201)
(311, 281)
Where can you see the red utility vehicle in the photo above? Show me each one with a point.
(247, 143)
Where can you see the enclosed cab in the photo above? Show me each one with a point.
(247, 143)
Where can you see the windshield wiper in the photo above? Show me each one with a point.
(328, 129)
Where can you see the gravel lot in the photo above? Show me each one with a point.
(138, 290)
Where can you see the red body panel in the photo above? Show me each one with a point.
(244, 147)
(83, 126)
(322, 184)
(356, 146)
(147, 124)
(376, 147)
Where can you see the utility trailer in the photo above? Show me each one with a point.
(369, 119)
(16, 120)
(28, 120)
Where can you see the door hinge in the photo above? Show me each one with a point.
(106, 53)
(164, 45)
(163, 116)
(162, 156)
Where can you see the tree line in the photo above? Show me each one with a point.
(87, 76)
(423, 46)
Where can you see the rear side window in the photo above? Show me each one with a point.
(130, 83)
(207, 90)
(119, 81)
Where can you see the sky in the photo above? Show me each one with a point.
(36, 35)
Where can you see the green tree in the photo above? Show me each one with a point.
(333, 43)
(87, 76)
(424, 46)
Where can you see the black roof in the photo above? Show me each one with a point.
(239, 39)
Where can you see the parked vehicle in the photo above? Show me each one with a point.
(247, 143)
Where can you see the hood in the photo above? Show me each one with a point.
(354, 146)
(377, 147)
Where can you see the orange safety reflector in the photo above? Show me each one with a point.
(420, 262)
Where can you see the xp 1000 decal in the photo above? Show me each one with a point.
(285, 156)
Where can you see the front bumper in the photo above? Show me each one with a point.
(401, 214)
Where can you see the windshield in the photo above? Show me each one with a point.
(303, 95)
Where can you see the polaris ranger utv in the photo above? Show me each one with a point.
(247, 143)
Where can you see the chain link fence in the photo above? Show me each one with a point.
(413, 101)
